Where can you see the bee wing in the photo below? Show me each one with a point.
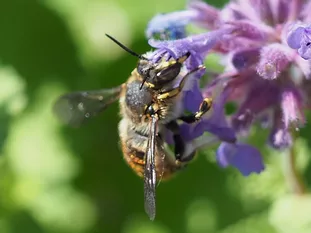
(76, 107)
(150, 177)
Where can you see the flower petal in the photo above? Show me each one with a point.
(280, 10)
(304, 67)
(299, 37)
(254, 93)
(279, 137)
(306, 9)
(248, 29)
(193, 98)
(224, 133)
(291, 104)
(294, 37)
(208, 15)
(239, 10)
(190, 132)
(171, 25)
(242, 122)
(242, 156)
(274, 58)
(245, 58)
(305, 49)
(260, 96)
(264, 9)
(197, 45)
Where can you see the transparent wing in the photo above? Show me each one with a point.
(150, 177)
(76, 107)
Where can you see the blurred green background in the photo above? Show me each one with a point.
(56, 179)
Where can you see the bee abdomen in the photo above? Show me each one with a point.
(134, 158)
(134, 140)
(165, 166)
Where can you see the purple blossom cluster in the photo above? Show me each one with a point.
(265, 48)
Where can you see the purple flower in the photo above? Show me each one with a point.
(291, 104)
(166, 28)
(265, 47)
(198, 46)
(170, 26)
(242, 156)
(274, 58)
(299, 38)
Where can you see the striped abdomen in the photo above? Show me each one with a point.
(134, 146)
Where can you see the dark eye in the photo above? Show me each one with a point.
(168, 74)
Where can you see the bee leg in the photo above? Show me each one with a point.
(205, 106)
(179, 144)
(178, 141)
(175, 91)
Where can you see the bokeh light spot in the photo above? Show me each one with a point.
(201, 216)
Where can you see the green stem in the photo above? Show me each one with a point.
(292, 176)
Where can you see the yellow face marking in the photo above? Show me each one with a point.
(150, 85)
(182, 59)
(164, 64)
(166, 95)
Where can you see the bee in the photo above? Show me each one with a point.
(150, 104)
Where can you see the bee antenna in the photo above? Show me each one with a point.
(125, 48)
(142, 84)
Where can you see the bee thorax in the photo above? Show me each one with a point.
(136, 99)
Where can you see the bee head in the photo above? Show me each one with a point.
(155, 74)
(161, 73)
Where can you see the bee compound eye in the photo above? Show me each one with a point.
(168, 74)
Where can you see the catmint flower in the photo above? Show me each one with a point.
(246, 158)
(216, 123)
(299, 38)
(170, 26)
(265, 48)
